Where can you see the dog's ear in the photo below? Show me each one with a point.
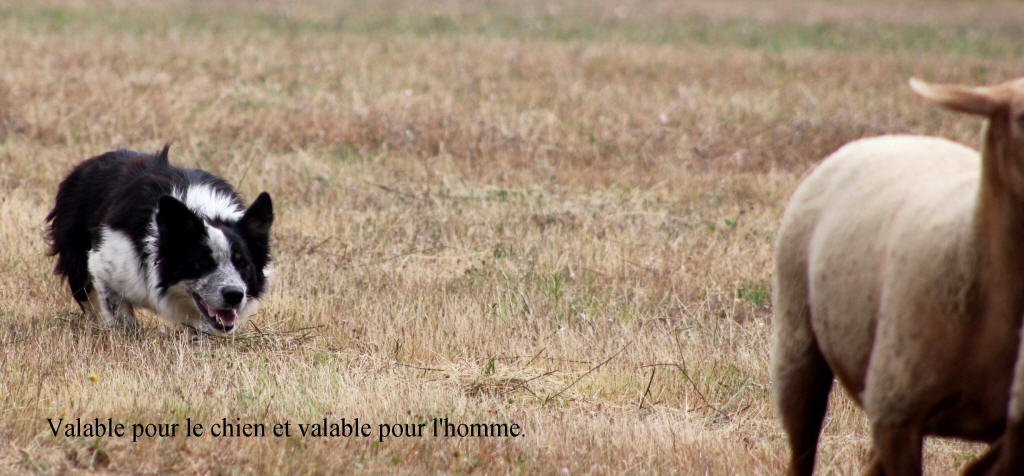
(257, 219)
(173, 218)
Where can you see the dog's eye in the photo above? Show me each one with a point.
(238, 260)
(203, 263)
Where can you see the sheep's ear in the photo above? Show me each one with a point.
(983, 101)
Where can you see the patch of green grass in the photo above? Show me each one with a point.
(552, 285)
(756, 294)
(498, 21)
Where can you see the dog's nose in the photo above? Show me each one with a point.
(232, 295)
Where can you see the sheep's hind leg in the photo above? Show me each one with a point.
(897, 449)
(1003, 456)
(803, 381)
(983, 465)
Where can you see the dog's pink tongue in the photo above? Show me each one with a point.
(226, 316)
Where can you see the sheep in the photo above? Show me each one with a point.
(899, 271)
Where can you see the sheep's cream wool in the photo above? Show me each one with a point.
(898, 271)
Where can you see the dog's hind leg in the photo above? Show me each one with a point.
(114, 309)
(91, 304)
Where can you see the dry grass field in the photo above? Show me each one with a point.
(554, 215)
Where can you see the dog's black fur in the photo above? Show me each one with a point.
(167, 214)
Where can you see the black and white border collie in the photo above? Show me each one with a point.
(129, 229)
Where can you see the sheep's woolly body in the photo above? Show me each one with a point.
(903, 208)
(898, 271)
(861, 196)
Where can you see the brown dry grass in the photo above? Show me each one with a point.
(559, 216)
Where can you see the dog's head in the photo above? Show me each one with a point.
(211, 271)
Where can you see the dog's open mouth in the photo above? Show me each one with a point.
(221, 319)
